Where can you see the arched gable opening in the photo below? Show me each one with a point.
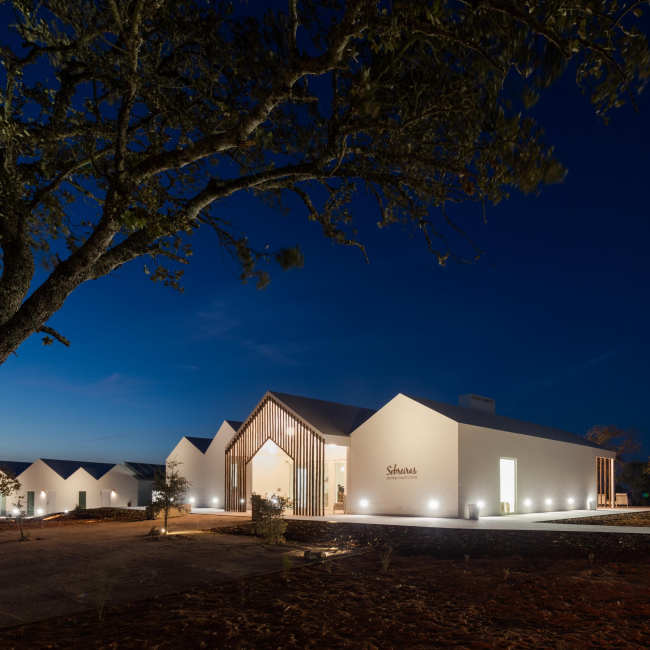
(306, 448)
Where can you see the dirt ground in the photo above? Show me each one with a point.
(62, 566)
(636, 519)
(349, 603)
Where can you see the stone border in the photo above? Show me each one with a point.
(454, 543)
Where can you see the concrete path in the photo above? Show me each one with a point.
(534, 521)
(60, 570)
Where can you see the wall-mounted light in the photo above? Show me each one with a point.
(527, 502)
(42, 493)
(480, 504)
(363, 503)
(570, 500)
(215, 500)
(433, 504)
(548, 502)
(112, 493)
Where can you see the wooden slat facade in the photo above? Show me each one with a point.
(605, 474)
(305, 447)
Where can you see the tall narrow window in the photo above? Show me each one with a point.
(30, 503)
(508, 485)
(82, 500)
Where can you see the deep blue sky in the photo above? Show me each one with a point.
(553, 324)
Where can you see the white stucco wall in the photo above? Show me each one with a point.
(40, 478)
(405, 434)
(193, 467)
(215, 458)
(546, 469)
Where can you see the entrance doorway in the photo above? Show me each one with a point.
(271, 471)
(508, 473)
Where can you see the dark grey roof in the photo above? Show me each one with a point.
(66, 468)
(328, 417)
(145, 470)
(16, 466)
(234, 424)
(201, 444)
(501, 423)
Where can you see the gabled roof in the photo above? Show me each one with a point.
(16, 466)
(501, 423)
(234, 424)
(66, 468)
(201, 444)
(145, 470)
(330, 418)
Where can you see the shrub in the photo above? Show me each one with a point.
(268, 521)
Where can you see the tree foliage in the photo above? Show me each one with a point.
(622, 441)
(117, 119)
(168, 490)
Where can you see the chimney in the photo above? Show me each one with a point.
(476, 402)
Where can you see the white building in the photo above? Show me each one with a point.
(411, 457)
(202, 462)
(50, 485)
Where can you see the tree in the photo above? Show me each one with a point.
(168, 490)
(116, 116)
(622, 441)
(10, 486)
(636, 477)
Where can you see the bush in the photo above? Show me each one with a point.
(268, 517)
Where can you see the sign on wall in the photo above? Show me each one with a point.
(395, 473)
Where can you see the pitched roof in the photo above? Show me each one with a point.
(16, 466)
(328, 417)
(201, 444)
(66, 468)
(234, 424)
(145, 470)
(501, 423)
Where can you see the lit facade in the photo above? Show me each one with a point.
(412, 457)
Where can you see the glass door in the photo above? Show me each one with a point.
(508, 485)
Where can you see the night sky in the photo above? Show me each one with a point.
(552, 323)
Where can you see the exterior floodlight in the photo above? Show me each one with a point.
(570, 500)
(15, 511)
(215, 500)
(480, 504)
(66, 512)
(40, 512)
(548, 502)
(527, 502)
(363, 503)
(162, 530)
(433, 504)
(192, 500)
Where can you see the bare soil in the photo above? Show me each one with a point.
(636, 519)
(421, 602)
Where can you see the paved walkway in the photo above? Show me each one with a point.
(536, 521)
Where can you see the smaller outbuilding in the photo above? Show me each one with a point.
(53, 485)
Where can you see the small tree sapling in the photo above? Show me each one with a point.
(168, 489)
